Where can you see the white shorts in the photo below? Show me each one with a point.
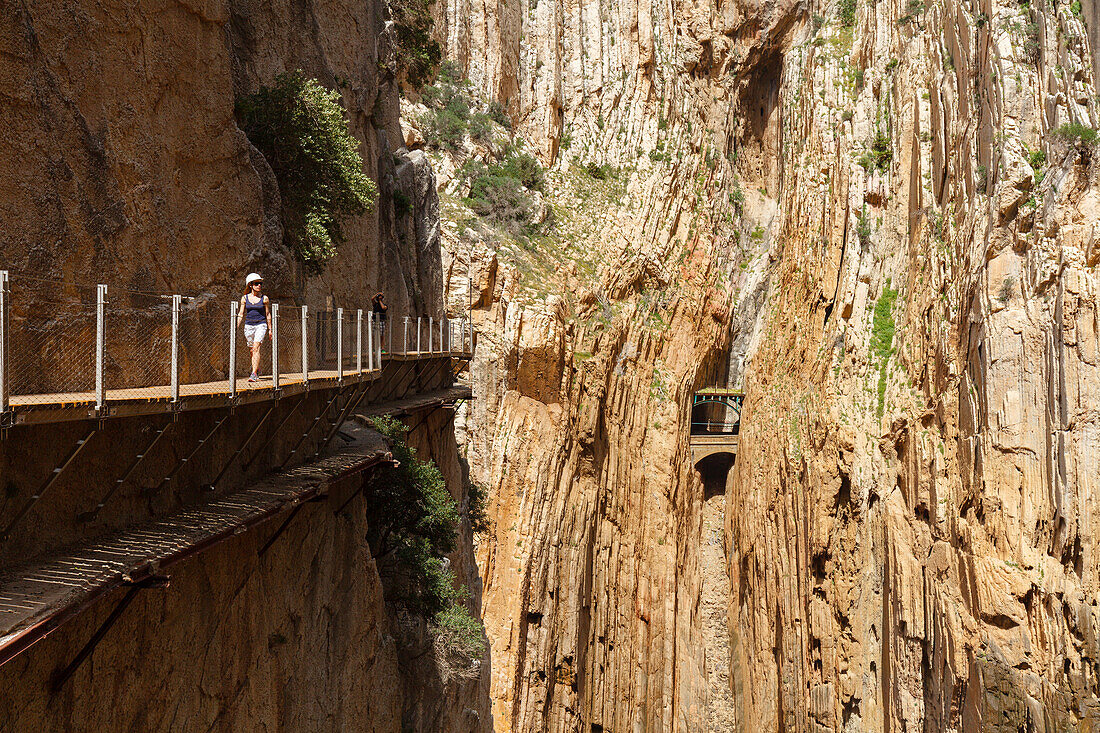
(255, 333)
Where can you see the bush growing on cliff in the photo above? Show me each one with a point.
(501, 191)
(300, 128)
(449, 105)
(412, 517)
(882, 337)
(418, 54)
(1076, 132)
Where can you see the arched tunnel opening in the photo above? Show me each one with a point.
(714, 470)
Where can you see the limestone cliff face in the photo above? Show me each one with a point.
(868, 206)
(124, 163)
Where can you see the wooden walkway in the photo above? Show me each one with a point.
(37, 597)
(63, 406)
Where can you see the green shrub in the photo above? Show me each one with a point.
(1036, 159)
(1033, 50)
(881, 154)
(418, 54)
(477, 511)
(1076, 132)
(401, 204)
(481, 127)
(1075, 8)
(300, 128)
(882, 337)
(846, 9)
(411, 516)
(498, 115)
(449, 104)
(460, 631)
(599, 172)
(863, 227)
(981, 178)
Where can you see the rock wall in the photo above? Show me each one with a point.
(865, 214)
(124, 165)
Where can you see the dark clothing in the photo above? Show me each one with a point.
(380, 310)
(254, 312)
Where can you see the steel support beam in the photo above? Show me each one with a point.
(180, 464)
(236, 454)
(63, 675)
(90, 515)
(50, 481)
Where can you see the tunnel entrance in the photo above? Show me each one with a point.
(713, 470)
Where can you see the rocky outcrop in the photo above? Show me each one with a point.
(866, 215)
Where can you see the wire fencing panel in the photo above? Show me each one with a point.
(322, 345)
(290, 343)
(138, 344)
(204, 343)
(348, 334)
(52, 341)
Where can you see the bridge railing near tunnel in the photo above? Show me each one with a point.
(64, 343)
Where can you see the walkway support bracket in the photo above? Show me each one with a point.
(63, 675)
(50, 481)
(240, 449)
(120, 482)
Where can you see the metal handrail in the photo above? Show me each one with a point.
(33, 369)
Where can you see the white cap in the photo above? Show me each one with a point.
(252, 277)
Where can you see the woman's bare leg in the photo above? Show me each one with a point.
(256, 357)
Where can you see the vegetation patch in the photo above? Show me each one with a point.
(412, 526)
(846, 9)
(882, 338)
(300, 128)
(1075, 132)
(418, 54)
(501, 191)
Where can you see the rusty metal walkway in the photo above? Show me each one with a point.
(38, 597)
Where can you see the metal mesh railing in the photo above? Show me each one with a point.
(51, 344)
(65, 343)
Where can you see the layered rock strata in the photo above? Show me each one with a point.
(874, 215)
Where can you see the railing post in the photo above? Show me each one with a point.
(305, 346)
(275, 346)
(389, 338)
(339, 345)
(100, 345)
(5, 305)
(429, 334)
(405, 337)
(418, 320)
(378, 330)
(359, 340)
(442, 344)
(177, 302)
(370, 340)
(233, 352)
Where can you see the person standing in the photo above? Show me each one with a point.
(379, 308)
(255, 313)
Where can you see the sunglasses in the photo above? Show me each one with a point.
(256, 282)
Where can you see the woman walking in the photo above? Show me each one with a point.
(255, 312)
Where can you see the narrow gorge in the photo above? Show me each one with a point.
(855, 240)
